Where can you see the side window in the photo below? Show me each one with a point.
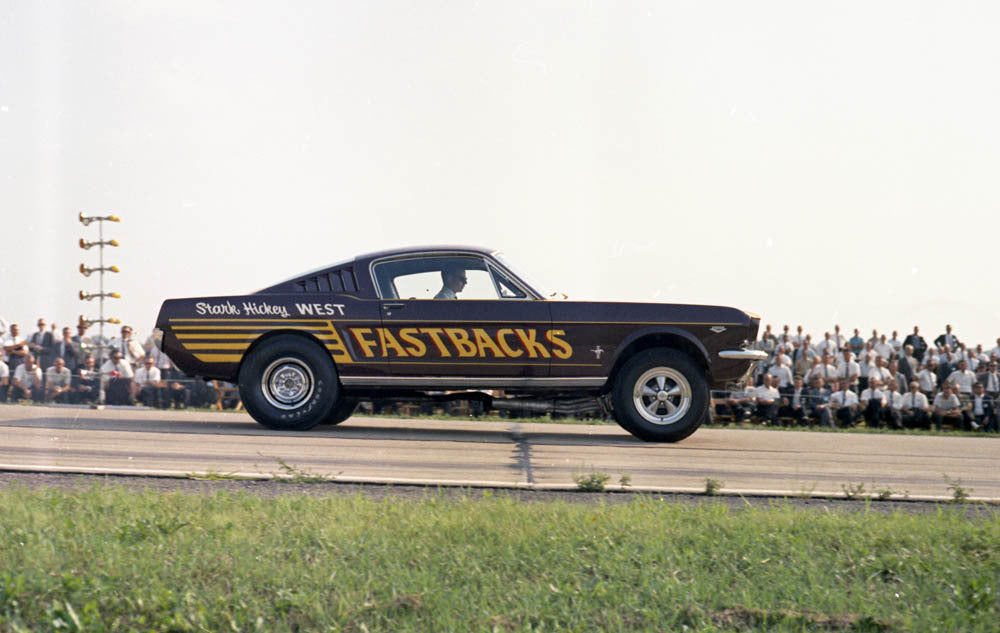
(507, 288)
(435, 277)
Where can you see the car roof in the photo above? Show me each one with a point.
(423, 249)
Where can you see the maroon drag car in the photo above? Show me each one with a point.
(450, 322)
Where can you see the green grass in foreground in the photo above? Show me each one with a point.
(110, 559)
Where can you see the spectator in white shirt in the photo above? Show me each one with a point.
(27, 381)
(128, 346)
(147, 383)
(844, 404)
(767, 401)
(15, 347)
(995, 352)
(117, 374)
(780, 374)
(839, 338)
(4, 381)
(879, 371)
(58, 379)
(963, 378)
(947, 408)
(825, 369)
(872, 402)
(916, 409)
(848, 370)
(799, 337)
(990, 379)
(893, 411)
(827, 345)
(897, 345)
(927, 378)
(883, 349)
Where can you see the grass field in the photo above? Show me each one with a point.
(110, 559)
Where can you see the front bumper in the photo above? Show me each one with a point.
(743, 354)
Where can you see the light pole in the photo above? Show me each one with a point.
(101, 269)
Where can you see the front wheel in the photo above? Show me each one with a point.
(289, 383)
(660, 395)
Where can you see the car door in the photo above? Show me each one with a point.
(491, 333)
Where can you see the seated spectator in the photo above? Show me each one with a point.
(66, 349)
(948, 408)
(86, 382)
(27, 381)
(927, 377)
(982, 408)
(848, 371)
(817, 399)
(872, 403)
(908, 364)
(58, 379)
(827, 345)
(824, 369)
(883, 349)
(900, 381)
(865, 362)
(963, 379)
(117, 375)
(990, 380)
(4, 380)
(878, 371)
(916, 410)
(803, 362)
(793, 401)
(740, 405)
(147, 385)
(896, 344)
(892, 412)
(844, 403)
(781, 375)
(767, 401)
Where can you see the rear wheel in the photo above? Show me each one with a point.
(289, 383)
(660, 395)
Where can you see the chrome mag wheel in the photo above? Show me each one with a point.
(287, 383)
(662, 395)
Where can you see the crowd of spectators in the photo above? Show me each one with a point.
(53, 365)
(881, 381)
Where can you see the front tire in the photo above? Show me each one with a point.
(660, 395)
(344, 409)
(289, 383)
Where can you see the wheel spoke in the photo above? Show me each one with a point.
(671, 407)
(653, 407)
(661, 381)
(674, 391)
(649, 391)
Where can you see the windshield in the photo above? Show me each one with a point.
(542, 290)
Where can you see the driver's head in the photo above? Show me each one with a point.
(454, 277)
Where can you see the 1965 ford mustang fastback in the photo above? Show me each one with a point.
(455, 321)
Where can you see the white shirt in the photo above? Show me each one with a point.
(868, 395)
(895, 399)
(826, 346)
(843, 399)
(144, 377)
(766, 393)
(914, 401)
(161, 360)
(446, 293)
(784, 374)
(963, 379)
(896, 344)
(883, 349)
(11, 340)
(846, 369)
(4, 370)
(826, 372)
(56, 378)
(879, 373)
(28, 379)
(131, 349)
(927, 379)
(948, 404)
(995, 351)
(122, 368)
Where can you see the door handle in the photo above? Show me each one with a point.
(389, 307)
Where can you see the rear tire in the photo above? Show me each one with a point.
(660, 395)
(289, 383)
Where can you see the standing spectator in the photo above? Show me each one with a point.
(818, 403)
(147, 383)
(893, 411)
(83, 343)
(66, 349)
(995, 352)
(917, 342)
(117, 374)
(872, 402)
(990, 379)
(839, 338)
(4, 380)
(827, 345)
(86, 382)
(799, 337)
(873, 339)
(946, 364)
(793, 401)
(27, 382)
(982, 409)
(58, 382)
(848, 370)
(767, 401)
(963, 379)
(909, 365)
(40, 345)
(882, 348)
(896, 344)
(844, 403)
(128, 346)
(15, 347)
(947, 339)
(928, 379)
(916, 410)
(947, 407)
(857, 343)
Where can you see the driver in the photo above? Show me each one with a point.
(454, 282)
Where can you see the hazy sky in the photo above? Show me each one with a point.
(813, 162)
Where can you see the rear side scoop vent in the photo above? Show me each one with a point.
(342, 280)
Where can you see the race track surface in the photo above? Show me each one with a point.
(501, 454)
